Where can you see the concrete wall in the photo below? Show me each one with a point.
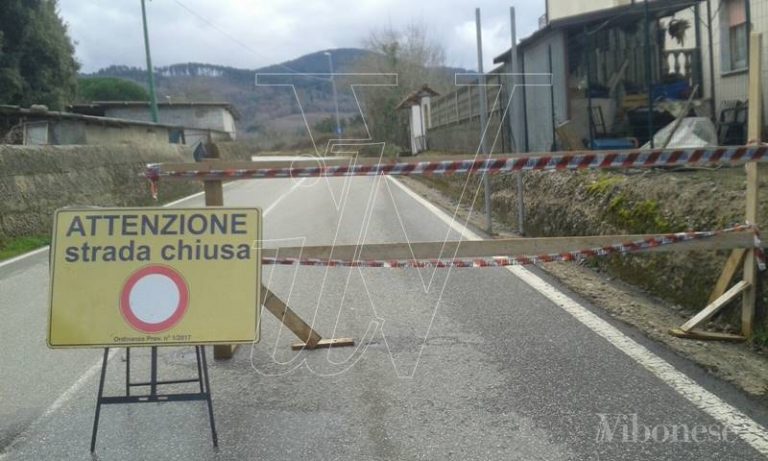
(455, 117)
(212, 118)
(37, 180)
(65, 132)
(138, 135)
(464, 136)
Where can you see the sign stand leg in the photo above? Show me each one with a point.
(205, 383)
(99, 399)
(153, 372)
(199, 367)
(127, 371)
(202, 380)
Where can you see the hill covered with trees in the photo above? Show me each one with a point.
(266, 109)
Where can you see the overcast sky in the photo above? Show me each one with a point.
(251, 34)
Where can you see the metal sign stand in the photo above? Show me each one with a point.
(153, 383)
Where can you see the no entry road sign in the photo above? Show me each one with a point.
(154, 276)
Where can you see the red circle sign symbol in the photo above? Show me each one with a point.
(154, 299)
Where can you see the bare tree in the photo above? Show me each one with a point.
(417, 59)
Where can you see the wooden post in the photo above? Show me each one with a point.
(214, 196)
(755, 125)
(747, 286)
(750, 270)
(755, 136)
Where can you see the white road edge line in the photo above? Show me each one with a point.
(85, 377)
(739, 423)
(283, 196)
(24, 256)
(54, 407)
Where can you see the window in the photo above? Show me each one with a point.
(735, 33)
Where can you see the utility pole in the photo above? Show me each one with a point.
(150, 71)
(335, 95)
(483, 120)
(648, 72)
(514, 114)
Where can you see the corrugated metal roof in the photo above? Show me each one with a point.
(55, 115)
(617, 15)
(415, 96)
(105, 104)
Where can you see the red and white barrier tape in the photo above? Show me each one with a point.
(759, 251)
(565, 161)
(504, 261)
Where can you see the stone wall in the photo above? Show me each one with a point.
(464, 136)
(37, 180)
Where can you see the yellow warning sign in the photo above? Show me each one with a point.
(154, 276)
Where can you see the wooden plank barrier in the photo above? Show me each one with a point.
(741, 242)
(747, 286)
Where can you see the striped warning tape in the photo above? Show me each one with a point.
(759, 251)
(504, 261)
(555, 162)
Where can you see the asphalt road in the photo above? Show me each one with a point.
(467, 364)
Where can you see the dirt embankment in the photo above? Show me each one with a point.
(648, 201)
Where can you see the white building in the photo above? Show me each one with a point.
(419, 102)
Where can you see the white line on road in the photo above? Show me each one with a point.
(24, 256)
(282, 196)
(739, 423)
(58, 403)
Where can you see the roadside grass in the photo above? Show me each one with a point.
(19, 245)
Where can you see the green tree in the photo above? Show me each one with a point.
(37, 64)
(110, 89)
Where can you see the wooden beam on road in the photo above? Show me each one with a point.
(310, 339)
(706, 335)
(732, 266)
(715, 307)
(287, 317)
(501, 247)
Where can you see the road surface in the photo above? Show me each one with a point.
(467, 364)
